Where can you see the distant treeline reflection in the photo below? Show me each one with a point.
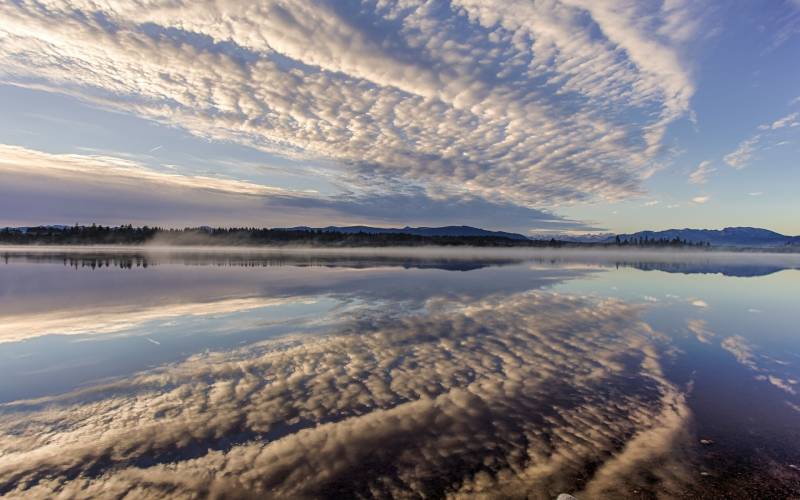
(135, 260)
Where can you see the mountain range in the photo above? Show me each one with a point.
(418, 231)
(728, 237)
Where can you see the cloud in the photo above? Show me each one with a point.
(701, 173)
(744, 153)
(789, 120)
(786, 27)
(755, 193)
(15, 160)
(46, 188)
(458, 398)
(514, 101)
(701, 199)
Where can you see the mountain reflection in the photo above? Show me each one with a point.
(509, 395)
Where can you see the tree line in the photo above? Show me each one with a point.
(644, 241)
(252, 236)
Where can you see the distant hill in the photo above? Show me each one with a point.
(576, 238)
(25, 229)
(728, 237)
(417, 231)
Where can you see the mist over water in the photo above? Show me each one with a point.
(266, 255)
(435, 372)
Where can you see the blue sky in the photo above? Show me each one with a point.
(532, 116)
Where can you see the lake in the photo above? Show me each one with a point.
(399, 373)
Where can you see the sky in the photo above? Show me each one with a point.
(522, 115)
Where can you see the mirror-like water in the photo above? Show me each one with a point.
(433, 374)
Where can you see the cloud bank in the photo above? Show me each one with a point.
(45, 188)
(534, 104)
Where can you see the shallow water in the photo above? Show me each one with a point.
(377, 374)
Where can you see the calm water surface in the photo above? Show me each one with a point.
(501, 375)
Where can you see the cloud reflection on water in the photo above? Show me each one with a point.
(62, 293)
(507, 395)
(766, 368)
(122, 318)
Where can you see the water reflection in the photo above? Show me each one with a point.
(143, 259)
(516, 379)
(455, 259)
(62, 326)
(511, 388)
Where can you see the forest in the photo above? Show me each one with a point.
(251, 236)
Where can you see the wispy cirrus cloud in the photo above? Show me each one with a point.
(700, 174)
(790, 120)
(742, 156)
(530, 103)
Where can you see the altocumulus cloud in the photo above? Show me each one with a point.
(532, 103)
(429, 403)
